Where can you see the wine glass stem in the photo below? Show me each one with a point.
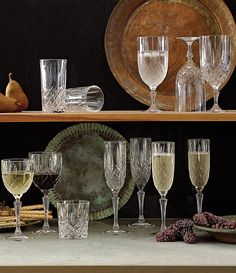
(141, 195)
(17, 206)
(199, 198)
(115, 203)
(153, 96)
(163, 204)
(46, 208)
(215, 96)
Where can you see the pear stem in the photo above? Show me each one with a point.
(9, 75)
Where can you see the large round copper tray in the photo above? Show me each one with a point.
(133, 18)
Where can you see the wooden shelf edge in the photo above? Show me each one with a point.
(118, 116)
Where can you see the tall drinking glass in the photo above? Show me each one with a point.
(152, 55)
(17, 176)
(215, 59)
(199, 166)
(115, 172)
(140, 161)
(47, 170)
(163, 165)
(53, 84)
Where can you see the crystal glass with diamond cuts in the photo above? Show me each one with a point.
(115, 172)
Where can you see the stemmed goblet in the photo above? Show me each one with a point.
(17, 176)
(163, 165)
(140, 162)
(215, 59)
(47, 170)
(199, 166)
(152, 55)
(115, 172)
(190, 93)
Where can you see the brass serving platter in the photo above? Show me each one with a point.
(173, 18)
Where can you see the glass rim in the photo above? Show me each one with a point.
(20, 159)
(64, 202)
(115, 141)
(41, 60)
(144, 138)
(152, 36)
(44, 152)
(199, 139)
(219, 35)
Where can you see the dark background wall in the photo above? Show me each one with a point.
(74, 29)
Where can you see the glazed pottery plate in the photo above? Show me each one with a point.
(172, 18)
(83, 173)
(222, 235)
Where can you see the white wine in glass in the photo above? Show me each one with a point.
(152, 56)
(17, 176)
(163, 165)
(199, 166)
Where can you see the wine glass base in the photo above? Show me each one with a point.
(216, 109)
(45, 231)
(141, 225)
(15, 237)
(153, 110)
(116, 232)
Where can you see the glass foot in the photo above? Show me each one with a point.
(154, 110)
(116, 232)
(15, 237)
(141, 225)
(45, 231)
(216, 109)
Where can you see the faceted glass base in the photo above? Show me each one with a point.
(116, 232)
(15, 237)
(45, 231)
(141, 225)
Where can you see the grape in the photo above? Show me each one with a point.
(190, 237)
(208, 219)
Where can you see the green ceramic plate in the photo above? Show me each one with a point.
(82, 175)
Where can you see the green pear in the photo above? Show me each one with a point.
(15, 91)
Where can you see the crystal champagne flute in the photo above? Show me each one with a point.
(163, 165)
(140, 162)
(17, 176)
(115, 172)
(215, 60)
(199, 166)
(47, 170)
(152, 55)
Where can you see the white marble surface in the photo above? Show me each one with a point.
(137, 248)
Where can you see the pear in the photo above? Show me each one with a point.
(15, 91)
(8, 104)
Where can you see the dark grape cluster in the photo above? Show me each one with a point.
(207, 219)
(182, 230)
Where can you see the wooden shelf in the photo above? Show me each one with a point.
(118, 116)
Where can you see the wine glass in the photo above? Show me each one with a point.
(199, 166)
(190, 93)
(140, 161)
(215, 59)
(17, 176)
(152, 55)
(163, 165)
(115, 172)
(47, 170)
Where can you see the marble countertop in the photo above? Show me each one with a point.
(137, 251)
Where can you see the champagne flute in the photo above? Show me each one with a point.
(140, 161)
(163, 165)
(47, 170)
(199, 166)
(17, 176)
(215, 59)
(152, 55)
(115, 172)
